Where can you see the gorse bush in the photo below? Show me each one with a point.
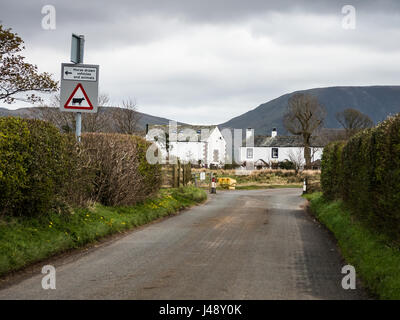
(365, 173)
(14, 152)
(42, 170)
(35, 166)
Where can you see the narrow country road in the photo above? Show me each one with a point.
(257, 244)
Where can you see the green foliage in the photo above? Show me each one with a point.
(16, 75)
(365, 173)
(50, 168)
(286, 165)
(367, 250)
(35, 163)
(14, 153)
(230, 166)
(43, 170)
(331, 170)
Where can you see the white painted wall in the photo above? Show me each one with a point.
(188, 151)
(195, 151)
(216, 142)
(265, 153)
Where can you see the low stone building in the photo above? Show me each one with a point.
(275, 148)
(202, 145)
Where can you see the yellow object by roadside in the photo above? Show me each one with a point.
(227, 183)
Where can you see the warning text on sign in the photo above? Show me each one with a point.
(80, 73)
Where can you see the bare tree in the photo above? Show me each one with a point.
(98, 121)
(304, 117)
(65, 121)
(326, 136)
(353, 120)
(296, 157)
(126, 119)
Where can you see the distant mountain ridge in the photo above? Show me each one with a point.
(34, 113)
(376, 101)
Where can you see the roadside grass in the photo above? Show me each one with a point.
(267, 186)
(27, 240)
(374, 257)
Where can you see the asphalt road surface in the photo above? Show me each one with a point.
(258, 244)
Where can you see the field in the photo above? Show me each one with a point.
(266, 178)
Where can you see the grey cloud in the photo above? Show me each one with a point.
(168, 55)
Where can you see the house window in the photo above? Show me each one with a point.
(274, 153)
(215, 155)
(249, 153)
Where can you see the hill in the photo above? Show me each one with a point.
(144, 118)
(375, 101)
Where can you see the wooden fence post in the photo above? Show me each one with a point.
(179, 173)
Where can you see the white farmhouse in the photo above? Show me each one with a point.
(203, 145)
(274, 148)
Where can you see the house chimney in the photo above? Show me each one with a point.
(274, 133)
(249, 137)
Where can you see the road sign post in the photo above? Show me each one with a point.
(79, 84)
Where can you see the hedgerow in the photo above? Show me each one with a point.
(121, 173)
(35, 166)
(43, 170)
(331, 180)
(365, 173)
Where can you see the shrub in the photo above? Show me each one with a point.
(42, 169)
(231, 166)
(331, 170)
(36, 165)
(365, 173)
(14, 152)
(121, 173)
(286, 165)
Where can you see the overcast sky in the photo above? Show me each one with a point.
(207, 61)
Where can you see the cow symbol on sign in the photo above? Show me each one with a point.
(77, 100)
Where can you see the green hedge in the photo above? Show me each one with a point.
(331, 178)
(35, 166)
(14, 152)
(365, 173)
(42, 170)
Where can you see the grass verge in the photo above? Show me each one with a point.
(27, 240)
(375, 260)
(267, 186)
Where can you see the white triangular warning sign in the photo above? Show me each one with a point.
(78, 99)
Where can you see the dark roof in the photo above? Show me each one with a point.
(285, 141)
(207, 130)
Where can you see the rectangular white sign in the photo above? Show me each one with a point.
(79, 73)
(79, 87)
(202, 176)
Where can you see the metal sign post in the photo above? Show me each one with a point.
(77, 48)
(79, 84)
